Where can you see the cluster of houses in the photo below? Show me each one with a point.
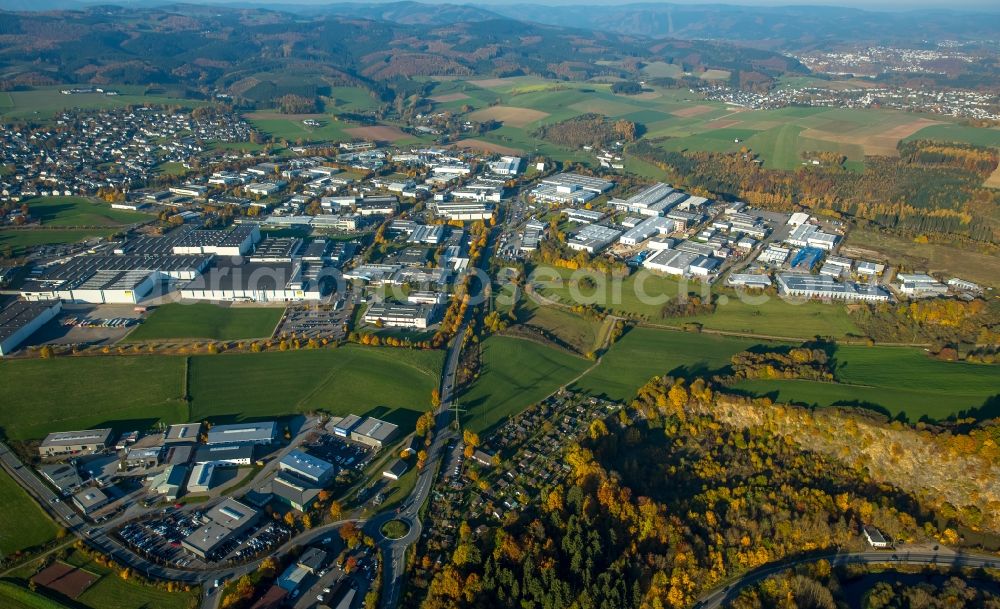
(82, 152)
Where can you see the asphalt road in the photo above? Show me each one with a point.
(720, 596)
(394, 551)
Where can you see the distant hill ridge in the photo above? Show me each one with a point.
(214, 47)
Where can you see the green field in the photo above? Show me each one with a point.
(776, 318)
(576, 332)
(19, 238)
(959, 133)
(352, 99)
(900, 381)
(207, 321)
(67, 220)
(71, 212)
(13, 596)
(23, 524)
(44, 102)
(40, 396)
(781, 137)
(390, 383)
(644, 294)
(645, 352)
(112, 592)
(515, 373)
(293, 130)
(136, 392)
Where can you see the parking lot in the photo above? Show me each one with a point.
(87, 324)
(159, 540)
(332, 583)
(326, 322)
(343, 453)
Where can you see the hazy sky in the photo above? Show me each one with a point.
(991, 5)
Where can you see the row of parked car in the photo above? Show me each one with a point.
(89, 322)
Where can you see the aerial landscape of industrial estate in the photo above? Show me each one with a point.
(439, 306)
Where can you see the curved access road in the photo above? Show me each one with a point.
(394, 550)
(721, 596)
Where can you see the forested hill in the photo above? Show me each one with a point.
(210, 48)
(786, 27)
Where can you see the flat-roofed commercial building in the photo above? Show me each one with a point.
(294, 491)
(652, 200)
(202, 476)
(671, 262)
(142, 457)
(749, 280)
(19, 319)
(506, 166)
(346, 425)
(221, 523)
(183, 433)
(824, 287)
(657, 225)
(920, 284)
(593, 238)
(430, 234)
(63, 476)
(234, 241)
(570, 188)
(465, 211)
(253, 282)
(307, 467)
(231, 454)
(263, 432)
(400, 315)
(91, 499)
(374, 432)
(584, 216)
(83, 442)
(169, 482)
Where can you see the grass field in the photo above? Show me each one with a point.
(23, 524)
(292, 129)
(645, 352)
(44, 102)
(575, 331)
(138, 391)
(515, 374)
(67, 220)
(18, 239)
(644, 293)
(209, 321)
(74, 212)
(900, 381)
(982, 268)
(13, 596)
(959, 133)
(112, 592)
(641, 293)
(125, 393)
(782, 137)
(390, 383)
(777, 318)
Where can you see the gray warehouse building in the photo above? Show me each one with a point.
(244, 433)
(84, 442)
(19, 319)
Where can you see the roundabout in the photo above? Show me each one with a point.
(394, 530)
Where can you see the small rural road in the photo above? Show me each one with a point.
(720, 597)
